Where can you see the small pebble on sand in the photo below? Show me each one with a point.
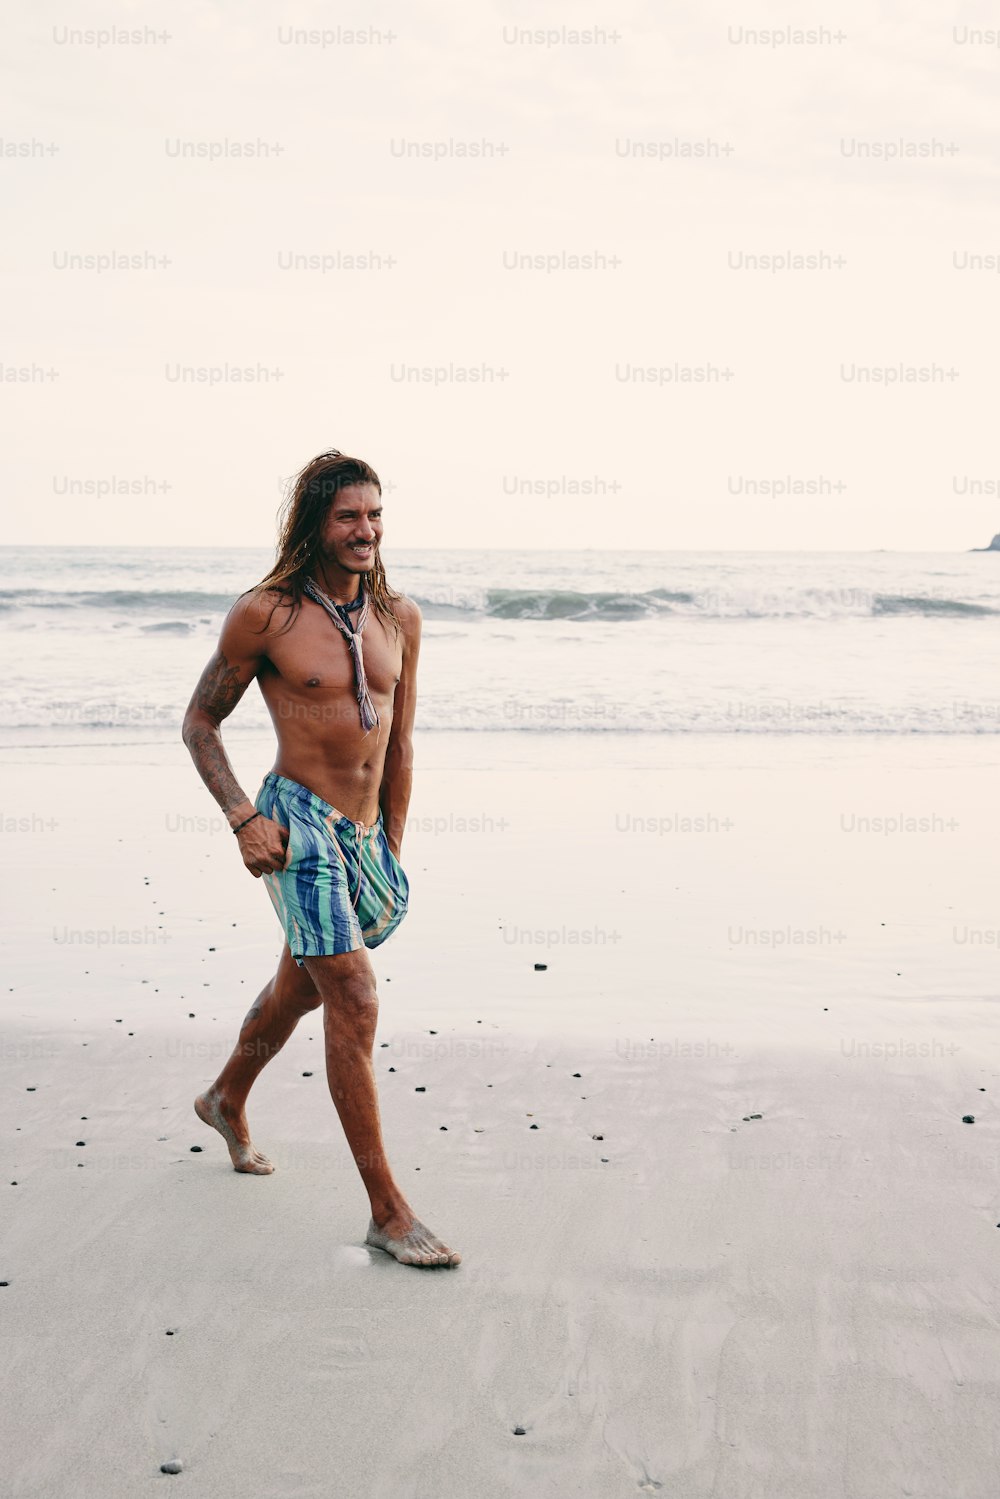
(519, 1431)
(968, 1118)
(541, 967)
(196, 1149)
(172, 1467)
(421, 1089)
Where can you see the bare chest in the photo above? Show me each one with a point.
(314, 657)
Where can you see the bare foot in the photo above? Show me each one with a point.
(233, 1129)
(408, 1241)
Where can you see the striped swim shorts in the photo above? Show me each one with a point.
(342, 887)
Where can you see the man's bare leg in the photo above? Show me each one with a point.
(350, 1010)
(272, 1017)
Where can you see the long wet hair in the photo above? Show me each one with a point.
(300, 525)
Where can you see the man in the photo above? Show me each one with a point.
(334, 651)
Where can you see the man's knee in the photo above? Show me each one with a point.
(294, 986)
(346, 985)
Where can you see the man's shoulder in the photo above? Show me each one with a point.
(408, 613)
(260, 610)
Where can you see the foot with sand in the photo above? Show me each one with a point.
(410, 1242)
(212, 1108)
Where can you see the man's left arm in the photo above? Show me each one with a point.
(397, 773)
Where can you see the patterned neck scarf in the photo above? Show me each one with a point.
(369, 713)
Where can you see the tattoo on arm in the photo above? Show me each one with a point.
(213, 765)
(219, 690)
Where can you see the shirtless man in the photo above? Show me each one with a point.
(334, 651)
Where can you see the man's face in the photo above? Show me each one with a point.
(353, 528)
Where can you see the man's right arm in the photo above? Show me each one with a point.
(234, 664)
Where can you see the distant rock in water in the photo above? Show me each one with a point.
(994, 545)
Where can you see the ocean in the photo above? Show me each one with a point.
(110, 641)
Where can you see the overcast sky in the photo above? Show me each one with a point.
(799, 141)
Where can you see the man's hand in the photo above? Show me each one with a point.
(263, 844)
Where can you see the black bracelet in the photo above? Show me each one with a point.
(249, 819)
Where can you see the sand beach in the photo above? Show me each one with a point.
(724, 1230)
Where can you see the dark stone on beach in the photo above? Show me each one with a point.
(170, 1332)
(577, 1074)
(211, 949)
(442, 1126)
(392, 1069)
(756, 1116)
(29, 1090)
(541, 967)
(421, 1089)
(81, 1142)
(604, 1160)
(307, 1074)
(196, 1149)
(432, 1033)
(519, 1431)
(7, 1282)
(117, 1022)
(982, 1090)
(968, 1118)
(532, 1126)
(190, 1014)
(384, 1043)
(172, 1467)
(597, 1137)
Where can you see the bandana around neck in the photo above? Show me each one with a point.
(367, 709)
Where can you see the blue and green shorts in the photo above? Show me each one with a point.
(342, 887)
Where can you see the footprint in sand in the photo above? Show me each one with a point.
(344, 1348)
